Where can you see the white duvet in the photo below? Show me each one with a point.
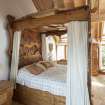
(52, 80)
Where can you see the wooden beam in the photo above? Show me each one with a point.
(56, 32)
(60, 17)
(10, 20)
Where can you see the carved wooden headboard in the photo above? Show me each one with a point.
(30, 48)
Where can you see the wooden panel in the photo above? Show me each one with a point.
(96, 30)
(29, 96)
(96, 35)
(30, 48)
(95, 60)
(99, 15)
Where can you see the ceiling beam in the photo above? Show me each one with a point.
(60, 17)
(55, 32)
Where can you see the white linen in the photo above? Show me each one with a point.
(77, 89)
(15, 56)
(53, 80)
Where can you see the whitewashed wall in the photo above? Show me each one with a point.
(3, 47)
(17, 8)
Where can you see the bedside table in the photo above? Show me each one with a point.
(6, 93)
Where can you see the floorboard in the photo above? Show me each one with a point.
(98, 89)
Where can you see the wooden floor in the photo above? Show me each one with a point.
(98, 88)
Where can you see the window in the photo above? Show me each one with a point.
(59, 47)
(102, 57)
(62, 48)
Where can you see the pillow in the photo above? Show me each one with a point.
(34, 69)
(47, 64)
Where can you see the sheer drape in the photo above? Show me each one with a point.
(77, 89)
(44, 47)
(15, 56)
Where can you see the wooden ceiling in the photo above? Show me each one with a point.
(43, 5)
(99, 14)
(97, 11)
(47, 6)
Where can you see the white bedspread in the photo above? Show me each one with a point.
(53, 80)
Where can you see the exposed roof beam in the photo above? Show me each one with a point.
(55, 32)
(60, 17)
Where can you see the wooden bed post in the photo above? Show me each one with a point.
(89, 53)
(10, 20)
(89, 63)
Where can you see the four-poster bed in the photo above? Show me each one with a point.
(29, 96)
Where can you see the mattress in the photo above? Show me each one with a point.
(52, 80)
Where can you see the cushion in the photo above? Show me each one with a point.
(34, 69)
(47, 64)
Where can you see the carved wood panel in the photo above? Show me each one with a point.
(30, 48)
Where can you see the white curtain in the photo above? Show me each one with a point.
(15, 57)
(44, 47)
(77, 89)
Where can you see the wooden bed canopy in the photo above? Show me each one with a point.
(56, 17)
(37, 23)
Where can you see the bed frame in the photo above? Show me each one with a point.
(29, 96)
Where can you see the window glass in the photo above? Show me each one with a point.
(60, 52)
